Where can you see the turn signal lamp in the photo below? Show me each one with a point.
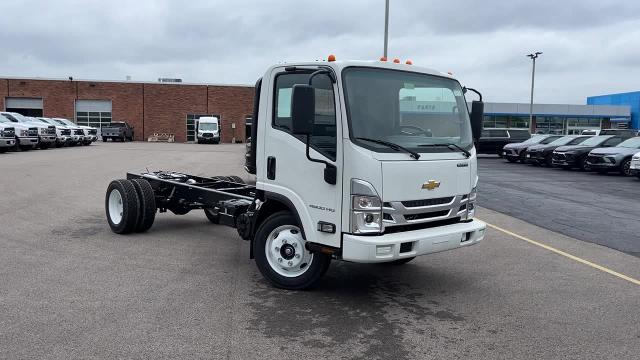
(331, 58)
(396, 60)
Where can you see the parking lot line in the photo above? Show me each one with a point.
(567, 255)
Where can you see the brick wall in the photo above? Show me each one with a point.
(148, 107)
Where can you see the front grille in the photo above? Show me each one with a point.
(8, 132)
(78, 132)
(93, 131)
(427, 202)
(65, 132)
(595, 159)
(33, 131)
(559, 156)
(427, 215)
(207, 135)
(51, 130)
(420, 226)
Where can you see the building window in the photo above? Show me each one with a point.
(191, 125)
(519, 122)
(94, 118)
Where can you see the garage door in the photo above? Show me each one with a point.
(24, 106)
(94, 113)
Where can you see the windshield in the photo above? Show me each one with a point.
(408, 109)
(60, 122)
(594, 141)
(562, 141)
(631, 143)
(4, 119)
(208, 126)
(578, 140)
(534, 139)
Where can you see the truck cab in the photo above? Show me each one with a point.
(208, 130)
(375, 160)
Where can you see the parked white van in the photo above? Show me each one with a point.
(208, 130)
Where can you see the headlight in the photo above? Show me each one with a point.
(366, 208)
(636, 157)
(471, 205)
(43, 131)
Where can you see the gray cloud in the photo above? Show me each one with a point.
(590, 47)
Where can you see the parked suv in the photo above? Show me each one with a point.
(575, 156)
(26, 135)
(517, 151)
(542, 154)
(616, 158)
(492, 141)
(635, 165)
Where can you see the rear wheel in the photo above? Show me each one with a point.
(121, 205)
(281, 255)
(213, 217)
(147, 198)
(625, 167)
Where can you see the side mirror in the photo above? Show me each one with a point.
(477, 115)
(303, 108)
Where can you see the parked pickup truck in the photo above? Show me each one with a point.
(342, 173)
(117, 131)
(26, 137)
(88, 133)
(7, 137)
(46, 133)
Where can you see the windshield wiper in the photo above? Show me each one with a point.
(451, 146)
(393, 146)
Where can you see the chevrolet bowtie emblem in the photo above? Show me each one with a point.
(431, 184)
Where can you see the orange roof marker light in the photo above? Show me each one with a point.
(450, 73)
(409, 62)
(396, 60)
(383, 58)
(331, 58)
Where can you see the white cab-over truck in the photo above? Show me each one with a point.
(361, 161)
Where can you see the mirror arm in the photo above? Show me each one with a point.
(328, 178)
(325, 71)
(464, 89)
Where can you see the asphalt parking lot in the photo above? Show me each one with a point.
(70, 288)
(599, 208)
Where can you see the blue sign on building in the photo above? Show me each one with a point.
(631, 99)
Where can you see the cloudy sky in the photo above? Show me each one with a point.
(590, 46)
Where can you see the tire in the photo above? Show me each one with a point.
(3, 150)
(26, 147)
(548, 160)
(583, 164)
(104, 139)
(213, 218)
(511, 160)
(625, 167)
(281, 233)
(121, 196)
(522, 157)
(44, 146)
(147, 210)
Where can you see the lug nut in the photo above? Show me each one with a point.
(284, 241)
(295, 244)
(290, 263)
(297, 256)
(277, 248)
(279, 259)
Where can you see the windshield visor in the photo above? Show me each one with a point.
(412, 110)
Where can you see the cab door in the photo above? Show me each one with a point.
(286, 172)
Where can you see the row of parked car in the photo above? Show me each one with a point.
(610, 150)
(25, 133)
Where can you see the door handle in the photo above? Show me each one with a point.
(271, 168)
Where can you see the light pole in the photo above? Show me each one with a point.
(533, 57)
(386, 27)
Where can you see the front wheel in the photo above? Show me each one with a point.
(584, 165)
(282, 257)
(625, 167)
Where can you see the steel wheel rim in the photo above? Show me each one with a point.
(286, 252)
(116, 208)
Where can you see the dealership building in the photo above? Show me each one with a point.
(174, 107)
(150, 107)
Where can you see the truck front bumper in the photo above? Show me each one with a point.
(7, 142)
(47, 139)
(389, 247)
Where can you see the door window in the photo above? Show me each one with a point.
(323, 137)
(612, 142)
